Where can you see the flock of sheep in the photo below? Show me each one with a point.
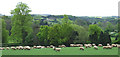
(81, 47)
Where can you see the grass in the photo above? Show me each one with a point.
(64, 51)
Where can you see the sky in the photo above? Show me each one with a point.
(69, 7)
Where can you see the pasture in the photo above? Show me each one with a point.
(64, 51)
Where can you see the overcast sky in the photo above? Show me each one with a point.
(70, 7)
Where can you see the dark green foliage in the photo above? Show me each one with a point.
(21, 22)
(5, 32)
(104, 38)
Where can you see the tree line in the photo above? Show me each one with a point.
(27, 31)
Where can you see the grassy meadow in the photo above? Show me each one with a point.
(64, 51)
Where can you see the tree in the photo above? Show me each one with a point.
(81, 34)
(94, 33)
(43, 35)
(104, 38)
(94, 28)
(110, 27)
(21, 22)
(5, 32)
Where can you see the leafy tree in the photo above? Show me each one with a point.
(110, 27)
(43, 35)
(5, 32)
(104, 38)
(81, 34)
(94, 28)
(21, 22)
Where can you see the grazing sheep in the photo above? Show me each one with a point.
(100, 45)
(109, 47)
(81, 48)
(21, 47)
(118, 46)
(56, 49)
(34, 46)
(114, 45)
(7, 48)
(51, 46)
(105, 47)
(38, 47)
(48, 46)
(27, 48)
(62, 46)
(86, 46)
(71, 45)
(42, 46)
(13, 48)
(95, 47)
(108, 44)
(93, 44)
(2, 48)
(18, 47)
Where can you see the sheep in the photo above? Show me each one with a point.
(34, 46)
(51, 46)
(48, 46)
(100, 45)
(7, 48)
(13, 48)
(54, 48)
(62, 46)
(71, 45)
(2, 48)
(78, 45)
(108, 44)
(114, 45)
(27, 48)
(38, 47)
(81, 48)
(95, 47)
(89, 45)
(86, 46)
(109, 47)
(42, 46)
(118, 46)
(21, 47)
(81, 45)
(93, 44)
(18, 47)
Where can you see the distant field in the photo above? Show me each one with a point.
(64, 51)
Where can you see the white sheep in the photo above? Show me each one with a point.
(110, 47)
(114, 45)
(38, 47)
(108, 44)
(118, 46)
(57, 49)
(71, 45)
(18, 47)
(7, 48)
(95, 47)
(2, 48)
(81, 48)
(21, 47)
(13, 48)
(34, 46)
(100, 45)
(27, 48)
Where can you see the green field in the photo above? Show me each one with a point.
(64, 51)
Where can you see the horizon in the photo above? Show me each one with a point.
(61, 7)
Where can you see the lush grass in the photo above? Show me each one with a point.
(64, 51)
